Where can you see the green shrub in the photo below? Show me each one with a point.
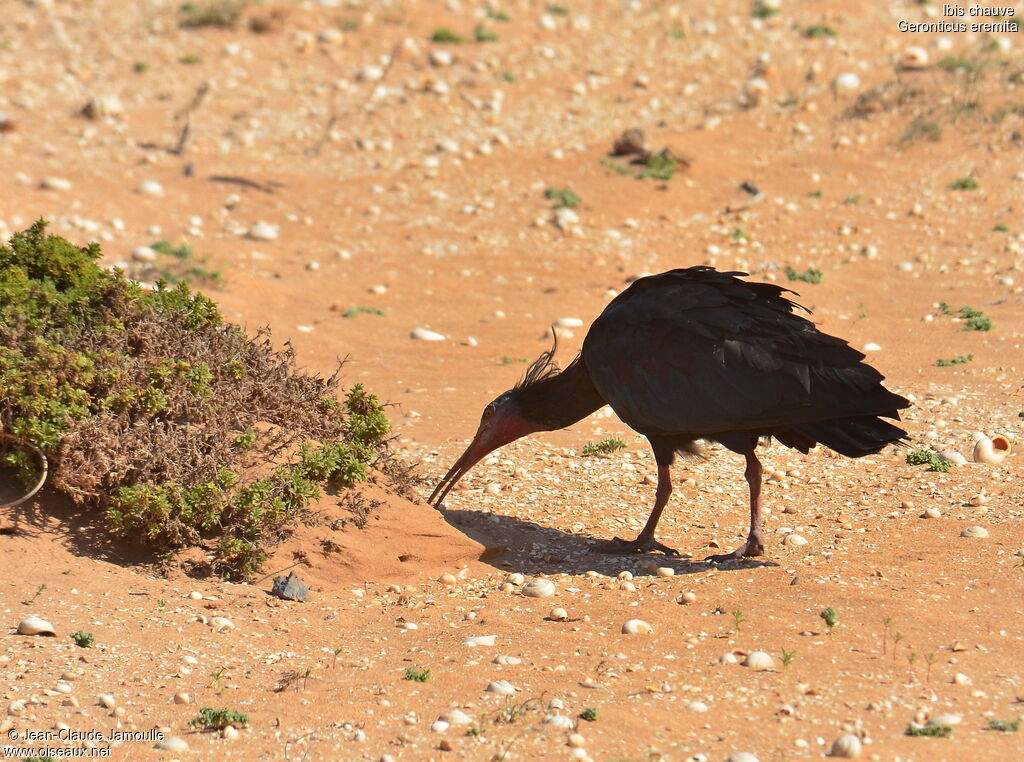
(173, 424)
(605, 447)
(218, 719)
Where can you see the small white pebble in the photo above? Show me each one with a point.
(974, 531)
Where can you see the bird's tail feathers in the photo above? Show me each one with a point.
(853, 437)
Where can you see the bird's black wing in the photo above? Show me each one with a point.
(697, 351)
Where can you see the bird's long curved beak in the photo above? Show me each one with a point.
(477, 449)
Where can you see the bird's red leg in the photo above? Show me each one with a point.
(754, 546)
(645, 540)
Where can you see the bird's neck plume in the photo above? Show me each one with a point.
(558, 399)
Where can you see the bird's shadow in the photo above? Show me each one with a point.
(531, 548)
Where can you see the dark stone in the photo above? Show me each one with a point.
(290, 588)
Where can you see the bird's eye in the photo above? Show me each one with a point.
(488, 412)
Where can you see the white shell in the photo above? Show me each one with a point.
(759, 660)
(501, 687)
(539, 588)
(35, 625)
(914, 58)
(741, 756)
(991, 450)
(455, 717)
(479, 640)
(794, 540)
(506, 661)
(220, 623)
(558, 615)
(230, 733)
(425, 334)
(697, 706)
(439, 726)
(952, 456)
(974, 532)
(559, 720)
(174, 743)
(847, 746)
(636, 627)
(728, 658)
(945, 719)
(846, 81)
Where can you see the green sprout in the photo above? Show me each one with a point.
(1004, 726)
(605, 447)
(218, 719)
(82, 639)
(417, 675)
(929, 458)
(787, 657)
(829, 617)
(810, 275)
(738, 618)
(929, 731)
(563, 197)
(589, 714)
(958, 360)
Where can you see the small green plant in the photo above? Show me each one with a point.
(813, 194)
(218, 719)
(921, 127)
(979, 323)
(929, 731)
(190, 59)
(676, 33)
(589, 714)
(82, 639)
(1001, 227)
(507, 360)
(161, 604)
(352, 312)
(417, 675)
(787, 657)
(886, 624)
(738, 235)
(507, 76)
(895, 643)
(619, 169)
(929, 659)
(738, 618)
(483, 34)
(218, 676)
(563, 197)
(810, 275)
(958, 360)
(605, 447)
(974, 320)
(474, 731)
(140, 67)
(498, 15)
(829, 617)
(222, 13)
(446, 35)
(557, 10)
(39, 591)
(852, 199)
(964, 183)
(911, 659)
(763, 10)
(929, 458)
(816, 31)
(659, 166)
(1004, 726)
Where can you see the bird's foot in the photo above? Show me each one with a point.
(752, 547)
(620, 547)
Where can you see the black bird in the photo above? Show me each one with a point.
(695, 354)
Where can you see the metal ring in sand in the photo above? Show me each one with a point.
(42, 460)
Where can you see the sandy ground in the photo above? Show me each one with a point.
(407, 177)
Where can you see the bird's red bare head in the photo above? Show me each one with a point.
(500, 424)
